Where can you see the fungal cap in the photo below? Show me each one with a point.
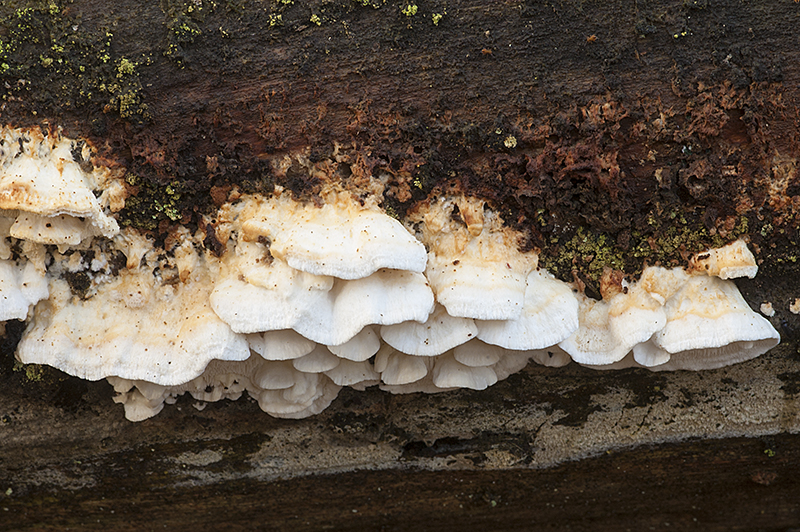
(384, 298)
(477, 289)
(249, 308)
(549, 315)
(319, 360)
(477, 354)
(397, 368)
(441, 332)
(609, 329)
(280, 345)
(144, 331)
(61, 230)
(137, 406)
(340, 239)
(450, 373)
(360, 347)
(349, 373)
(648, 354)
(728, 262)
(332, 316)
(474, 266)
(512, 362)
(710, 325)
(275, 375)
(311, 394)
(424, 385)
(551, 357)
(39, 176)
(21, 287)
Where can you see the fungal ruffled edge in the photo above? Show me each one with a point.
(301, 299)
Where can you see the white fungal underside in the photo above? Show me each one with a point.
(306, 300)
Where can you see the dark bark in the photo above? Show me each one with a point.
(649, 129)
(699, 485)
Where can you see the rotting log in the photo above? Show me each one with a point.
(613, 134)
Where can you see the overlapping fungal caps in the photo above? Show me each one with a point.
(46, 197)
(339, 295)
(47, 192)
(673, 319)
(280, 389)
(325, 272)
(304, 298)
(151, 320)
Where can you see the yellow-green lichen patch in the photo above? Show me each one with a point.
(183, 20)
(48, 60)
(37, 374)
(669, 243)
(375, 4)
(410, 10)
(585, 251)
(150, 204)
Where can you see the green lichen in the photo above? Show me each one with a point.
(436, 18)
(126, 92)
(586, 251)
(375, 4)
(151, 203)
(32, 372)
(391, 212)
(51, 62)
(410, 10)
(183, 20)
(667, 243)
(125, 67)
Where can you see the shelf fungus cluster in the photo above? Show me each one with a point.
(301, 299)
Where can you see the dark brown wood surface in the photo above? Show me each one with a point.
(611, 133)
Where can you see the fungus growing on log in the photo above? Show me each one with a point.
(300, 298)
(474, 265)
(47, 191)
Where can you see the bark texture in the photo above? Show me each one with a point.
(610, 134)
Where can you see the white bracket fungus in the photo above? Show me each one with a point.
(133, 327)
(450, 373)
(474, 265)
(675, 320)
(397, 369)
(280, 345)
(341, 239)
(610, 329)
(21, 287)
(305, 299)
(549, 315)
(47, 191)
(709, 325)
(728, 262)
(441, 332)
